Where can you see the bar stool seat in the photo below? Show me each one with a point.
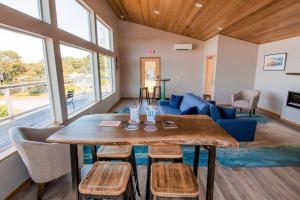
(165, 152)
(173, 180)
(107, 151)
(122, 152)
(106, 179)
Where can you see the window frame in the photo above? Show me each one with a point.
(113, 73)
(93, 71)
(20, 116)
(111, 34)
(51, 40)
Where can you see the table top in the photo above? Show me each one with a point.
(163, 79)
(192, 130)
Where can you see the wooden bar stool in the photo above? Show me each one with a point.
(156, 90)
(161, 153)
(124, 153)
(144, 92)
(110, 180)
(173, 180)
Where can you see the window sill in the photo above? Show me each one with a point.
(109, 95)
(7, 152)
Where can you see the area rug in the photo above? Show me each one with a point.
(261, 119)
(230, 157)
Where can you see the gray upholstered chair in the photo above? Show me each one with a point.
(246, 99)
(44, 161)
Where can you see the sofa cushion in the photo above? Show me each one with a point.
(191, 100)
(175, 101)
(214, 112)
(227, 113)
(168, 110)
(190, 111)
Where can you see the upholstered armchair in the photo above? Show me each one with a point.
(44, 161)
(246, 99)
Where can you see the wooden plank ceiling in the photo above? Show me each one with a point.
(257, 21)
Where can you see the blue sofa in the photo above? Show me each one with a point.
(242, 130)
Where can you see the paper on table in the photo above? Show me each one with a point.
(110, 123)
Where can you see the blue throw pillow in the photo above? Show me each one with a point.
(190, 111)
(214, 112)
(227, 113)
(175, 101)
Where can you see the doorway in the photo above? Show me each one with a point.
(150, 72)
(209, 76)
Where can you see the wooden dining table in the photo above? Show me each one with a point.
(196, 130)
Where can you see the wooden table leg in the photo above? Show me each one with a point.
(94, 153)
(196, 159)
(74, 171)
(211, 172)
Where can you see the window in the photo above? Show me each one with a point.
(78, 77)
(104, 35)
(74, 18)
(29, 7)
(106, 76)
(24, 96)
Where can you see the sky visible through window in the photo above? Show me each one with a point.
(30, 7)
(73, 17)
(21, 44)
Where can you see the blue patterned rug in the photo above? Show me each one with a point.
(230, 157)
(261, 119)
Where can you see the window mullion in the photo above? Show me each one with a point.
(56, 81)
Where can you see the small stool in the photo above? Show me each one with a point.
(173, 180)
(144, 92)
(125, 153)
(108, 180)
(159, 153)
(155, 88)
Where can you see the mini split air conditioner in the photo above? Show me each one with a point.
(183, 46)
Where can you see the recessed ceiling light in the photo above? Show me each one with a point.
(198, 5)
(219, 28)
(156, 12)
(122, 17)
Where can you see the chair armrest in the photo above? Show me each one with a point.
(164, 102)
(242, 130)
(235, 97)
(47, 161)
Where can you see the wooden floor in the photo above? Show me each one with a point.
(280, 183)
(272, 183)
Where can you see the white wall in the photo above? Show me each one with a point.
(183, 67)
(274, 85)
(235, 68)
(210, 49)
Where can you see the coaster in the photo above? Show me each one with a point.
(150, 128)
(134, 122)
(131, 127)
(146, 122)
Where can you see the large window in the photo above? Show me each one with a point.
(106, 75)
(29, 7)
(78, 77)
(73, 17)
(104, 35)
(24, 98)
